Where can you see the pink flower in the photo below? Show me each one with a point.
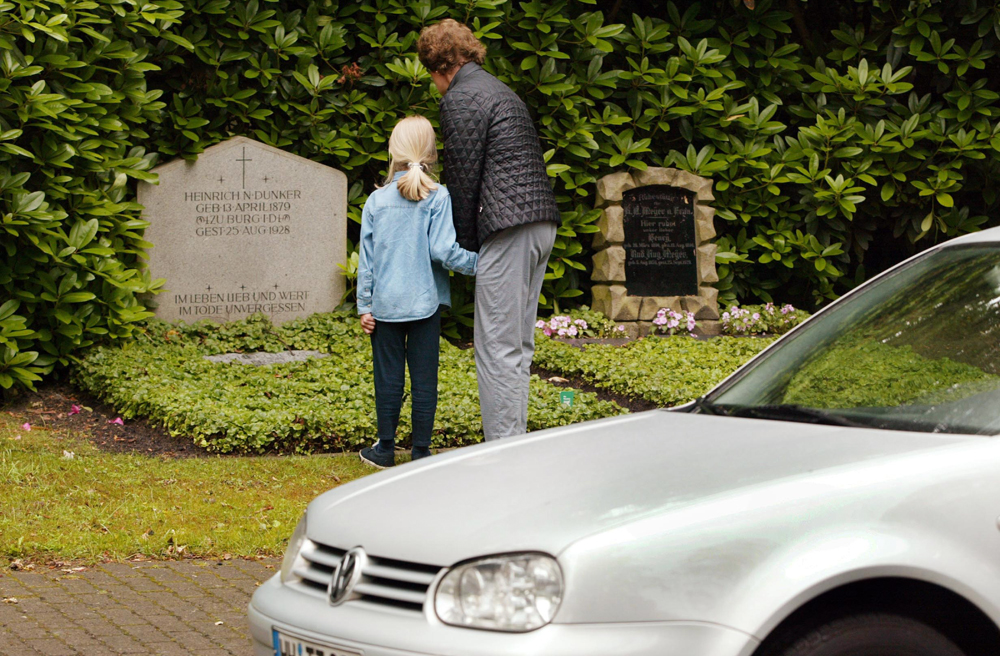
(622, 328)
(26, 426)
(562, 332)
(117, 421)
(571, 331)
(540, 324)
(74, 410)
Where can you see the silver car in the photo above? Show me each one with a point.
(838, 496)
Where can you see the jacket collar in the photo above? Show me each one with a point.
(467, 69)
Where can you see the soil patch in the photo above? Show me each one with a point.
(559, 380)
(51, 407)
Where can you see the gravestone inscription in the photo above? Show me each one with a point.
(660, 257)
(247, 228)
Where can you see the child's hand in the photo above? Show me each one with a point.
(367, 323)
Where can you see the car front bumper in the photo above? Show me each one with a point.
(377, 632)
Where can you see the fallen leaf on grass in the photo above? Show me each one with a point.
(68, 455)
(558, 379)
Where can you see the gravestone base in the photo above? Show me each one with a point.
(654, 250)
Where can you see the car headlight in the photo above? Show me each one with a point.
(516, 592)
(292, 552)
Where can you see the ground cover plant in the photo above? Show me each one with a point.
(666, 371)
(767, 319)
(65, 500)
(320, 404)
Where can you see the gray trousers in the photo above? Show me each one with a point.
(508, 282)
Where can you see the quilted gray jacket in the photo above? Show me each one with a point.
(492, 159)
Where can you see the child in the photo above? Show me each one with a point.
(407, 242)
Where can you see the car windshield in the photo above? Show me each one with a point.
(918, 349)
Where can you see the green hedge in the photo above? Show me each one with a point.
(321, 404)
(75, 107)
(667, 371)
(828, 127)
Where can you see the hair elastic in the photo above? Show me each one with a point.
(415, 165)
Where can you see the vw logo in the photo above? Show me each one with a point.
(346, 575)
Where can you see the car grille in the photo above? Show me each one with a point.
(384, 582)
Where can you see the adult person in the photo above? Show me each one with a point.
(503, 208)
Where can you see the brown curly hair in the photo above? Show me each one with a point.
(447, 45)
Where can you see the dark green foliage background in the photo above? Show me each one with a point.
(843, 135)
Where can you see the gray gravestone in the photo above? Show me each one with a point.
(246, 228)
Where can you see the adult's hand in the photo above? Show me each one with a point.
(367, 323)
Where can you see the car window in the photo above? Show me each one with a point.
(919, 349)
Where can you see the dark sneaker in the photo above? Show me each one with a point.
(376, 458)
(419, 452)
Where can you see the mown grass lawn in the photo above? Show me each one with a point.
(99, 506)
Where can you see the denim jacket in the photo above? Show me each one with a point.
(405, 248)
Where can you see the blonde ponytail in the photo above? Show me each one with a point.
(412, 148)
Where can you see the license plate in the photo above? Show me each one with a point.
(289, 645)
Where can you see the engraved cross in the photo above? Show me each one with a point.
(244, 160)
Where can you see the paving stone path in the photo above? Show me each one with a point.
(166, 608)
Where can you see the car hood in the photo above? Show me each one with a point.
(545, 490)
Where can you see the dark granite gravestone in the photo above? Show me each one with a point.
(660, 255)
(653, 248)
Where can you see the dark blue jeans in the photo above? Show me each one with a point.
(394, 346)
